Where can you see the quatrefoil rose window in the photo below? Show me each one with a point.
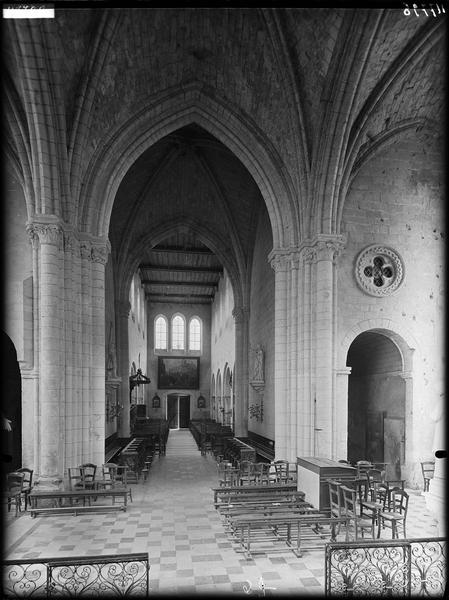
(379, 270)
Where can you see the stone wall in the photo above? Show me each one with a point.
(397, 201)
(261, 326)
(203, 311)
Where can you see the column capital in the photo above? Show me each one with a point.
(322, 247)
(284, 259)
(95, 249)
(86, 249)
(328, 246)
(100, 252)
(71, 244)
(45, 233)
(240, 314)
(279, 259)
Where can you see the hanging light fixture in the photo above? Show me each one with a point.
(138, 379)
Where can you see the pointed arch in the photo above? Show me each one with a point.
(168, 112)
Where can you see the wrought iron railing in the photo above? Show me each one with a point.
(88, 576)
(409, 567)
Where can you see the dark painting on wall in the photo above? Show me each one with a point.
(178, 372)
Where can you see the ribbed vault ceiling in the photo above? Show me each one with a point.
(191, 180)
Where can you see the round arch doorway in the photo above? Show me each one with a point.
(376, 402)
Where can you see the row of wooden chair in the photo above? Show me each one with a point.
(387, 507)
(84, 477)
(256, 473)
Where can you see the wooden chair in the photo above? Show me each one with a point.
(335, 500)
(361, 523)
(14, 489)
(360, 485)
(88, 472)
(374, 478)
(282, 471)
(74, 477)
(335, 497)
(397, 515)
(377, 501)
(227, 474)
(363, 467)
(81, 478)
(428, 470)
(27, 483)
(115, 476)
(247, 475)
(262, 473)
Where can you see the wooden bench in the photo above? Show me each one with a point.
(263, 507)
(245, 491)
(251, 529)
(59, 495)
(235, 514)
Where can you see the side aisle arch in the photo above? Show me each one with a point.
(403, 344)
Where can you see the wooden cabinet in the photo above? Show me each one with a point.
(313, 473)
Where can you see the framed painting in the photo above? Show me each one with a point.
(178, 372)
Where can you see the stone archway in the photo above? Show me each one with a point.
(376, 402)
(379, 385)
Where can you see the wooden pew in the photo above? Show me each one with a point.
(59, 495)
(260, 529)
(260, 491)
(236, 513)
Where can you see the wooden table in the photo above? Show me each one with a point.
(314, 473)
(59, 495)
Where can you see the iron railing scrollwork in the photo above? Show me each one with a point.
(409, 567)
(92, 576)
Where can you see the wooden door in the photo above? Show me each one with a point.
(184, 411)
(172, 412)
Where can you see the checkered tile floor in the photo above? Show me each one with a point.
(173, 519)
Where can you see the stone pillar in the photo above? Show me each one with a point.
(123, 358)
(325, 426)
(411, 458)
(68, 420)
(48, 236)
(100, 251)
(341, 413)
(84, 438)
(241, 376)
(293, 394)
(307, 387)
(279, 262)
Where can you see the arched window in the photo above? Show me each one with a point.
(161, 333)
(178, 333)
(195, 334)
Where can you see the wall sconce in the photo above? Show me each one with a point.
(156, 401)
(201, 402)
